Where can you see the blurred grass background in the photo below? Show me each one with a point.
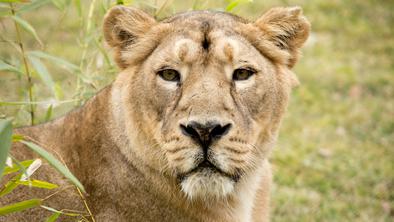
(335, 157)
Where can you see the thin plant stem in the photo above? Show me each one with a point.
(85, 46)
(58, 191)
(5, 103)
(28, 75)
(86, 204)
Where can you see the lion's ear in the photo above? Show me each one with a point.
(287, 28)
(123, 26)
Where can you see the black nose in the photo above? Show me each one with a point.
(205, 134)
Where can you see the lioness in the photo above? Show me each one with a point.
(185, 130)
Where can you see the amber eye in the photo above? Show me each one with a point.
(242, 74)
(169, 75)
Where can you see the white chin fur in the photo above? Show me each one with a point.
(207, 185)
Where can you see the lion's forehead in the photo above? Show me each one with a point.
(216, 18)
(221, 47)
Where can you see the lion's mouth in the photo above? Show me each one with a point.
(208, 167)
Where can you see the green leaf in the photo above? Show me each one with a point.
(10, 185)
(17, 138)
(16, 167)
(48, 114)
(232, 5)
(8, 188)
(53, 217)
(78, 5)
(42, 71)
(60, 4)
(26, 26)
(38, 184)
(5, 142)
(58, 211)
(20, 206)
(235, 3)
(10, 68)
(58, 91)
(5, 13)
(55, 163)
(57, 60)
(51, 209)
(33, 5)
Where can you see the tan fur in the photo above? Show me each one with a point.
(125, 144)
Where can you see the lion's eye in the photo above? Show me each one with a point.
(242, 74)
(169, 75)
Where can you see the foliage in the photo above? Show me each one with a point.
(54, 162)
(334, 160)
(5, 144)
(24, 171)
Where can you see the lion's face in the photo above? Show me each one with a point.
(205, 98)
(210, 102)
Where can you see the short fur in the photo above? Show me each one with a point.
(125, 144)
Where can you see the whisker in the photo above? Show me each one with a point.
(254, 146)
(177, 149)
(172, 139)
(238, 140)
(236, 160)
(178, 159)
(233, 150)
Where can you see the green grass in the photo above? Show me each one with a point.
(335, 156)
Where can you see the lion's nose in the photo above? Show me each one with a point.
(206, 133)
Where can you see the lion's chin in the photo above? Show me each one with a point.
(207, 184)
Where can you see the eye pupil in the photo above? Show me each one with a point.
(169, 75)
(242, 74)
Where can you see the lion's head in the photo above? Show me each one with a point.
(201, 94)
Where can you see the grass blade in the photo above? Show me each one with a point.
(20, 206)
(5, 142)
(55, 163)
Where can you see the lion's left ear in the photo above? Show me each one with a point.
(287, 28)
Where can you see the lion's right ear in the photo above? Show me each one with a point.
(287, 28)
(123, 26)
